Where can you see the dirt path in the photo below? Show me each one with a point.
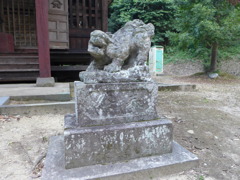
(206, 122)
(24, 140)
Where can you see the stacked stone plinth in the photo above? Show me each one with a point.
(116, 131)
(115, 122)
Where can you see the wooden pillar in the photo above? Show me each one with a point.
(43, 38)
(105, 15)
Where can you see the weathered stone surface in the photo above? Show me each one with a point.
(105, 144)
(45, 82)
(213, 75)
(176, 87)
(124, 52)
(128, 47)
(134, 74)
(38, 109)
(70, 121)
(137, 169)
(115, 103)
(4, 100)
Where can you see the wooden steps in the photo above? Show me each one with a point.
(24, 66)
(66, 65)
(14, 67)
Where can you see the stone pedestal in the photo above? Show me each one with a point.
(116, 129)
(150, 167)
(114, 123)
(116, 143)
(115, 103)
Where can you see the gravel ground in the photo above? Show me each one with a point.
(206, 122)
(24, 142)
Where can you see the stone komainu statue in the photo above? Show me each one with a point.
(127, 48)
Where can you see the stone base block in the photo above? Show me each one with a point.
(176, 87)
(4, 100)
(114, 143)
(132, 74)
(45, 82)
(115, 103)
(138, 169)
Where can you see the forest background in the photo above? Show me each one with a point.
(189, 30)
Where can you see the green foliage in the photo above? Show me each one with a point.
(226, 76)
(207, 21)
(158, 12)
(174, 55)
(230, 52)
(202, 23)
(187, 28)
(201, 178)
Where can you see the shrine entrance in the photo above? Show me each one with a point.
(18, 18)
(84, 17)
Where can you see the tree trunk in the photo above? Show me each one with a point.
(213, 65)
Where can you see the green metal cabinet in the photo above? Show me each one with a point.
(156, 60)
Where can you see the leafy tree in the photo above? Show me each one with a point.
(206, 24)
(158, 12)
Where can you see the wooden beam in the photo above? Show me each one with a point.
(105, 15)
(43, 37)
(2, 16)
(71, 13)
(24, 23)
(85, 21)
(90, 13)
(14, 22)
(19, 22)
(77, 14)
(8, 16)
(70, 68)
(97, 25)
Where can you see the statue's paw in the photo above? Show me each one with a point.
(112, 68)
